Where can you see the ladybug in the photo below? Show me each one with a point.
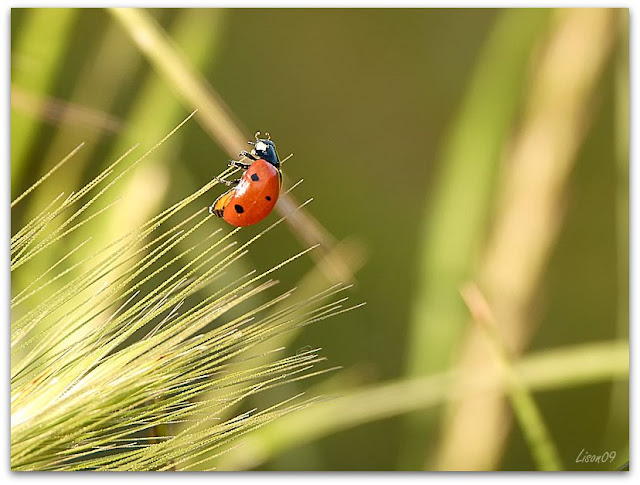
(253, 195)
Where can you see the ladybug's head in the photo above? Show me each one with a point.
(265, 149)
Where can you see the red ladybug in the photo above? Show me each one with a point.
(254, 195)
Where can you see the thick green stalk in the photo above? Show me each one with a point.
(454, 223)
(541, 371)
(35, 65)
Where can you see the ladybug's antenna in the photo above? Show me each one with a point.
(257, 135)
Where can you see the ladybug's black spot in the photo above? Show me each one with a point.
(268, 197)
(239, 209)
(254, 177)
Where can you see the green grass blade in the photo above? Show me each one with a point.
(454, 225)
(35, 66)
(540, 371)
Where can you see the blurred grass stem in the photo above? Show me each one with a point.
(196, 93)
(540, 371)
(543, 448)
(454, 224)
(528, 219)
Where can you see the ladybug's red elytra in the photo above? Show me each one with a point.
(254, 195)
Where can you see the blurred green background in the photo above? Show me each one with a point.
(403, 124)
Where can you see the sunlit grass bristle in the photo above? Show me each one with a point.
(47, 175)
(154, 330)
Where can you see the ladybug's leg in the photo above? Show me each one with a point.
(237, 164)
(228, 183)
(247, 154)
